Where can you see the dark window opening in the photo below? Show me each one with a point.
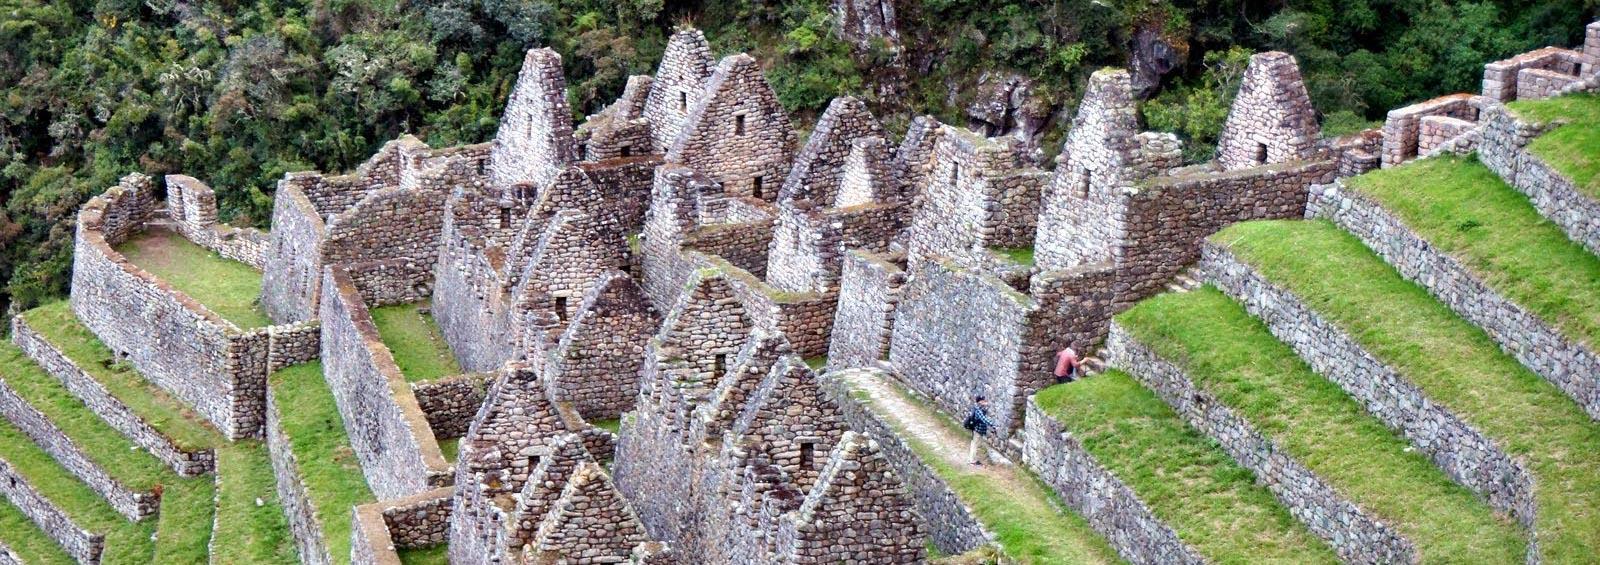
(627, 150)
(480, 167)
(531, 122)
(720, 365)
(808, 455)
(561, 309)
(533, 463)
(955, 173)
(738, 124)
(1083, 184)
(755, 186)
(583, 149)
(683, 101)
(1261, 153)
(505, 218)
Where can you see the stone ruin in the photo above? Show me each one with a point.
(674, 261)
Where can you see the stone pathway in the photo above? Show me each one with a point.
(918, 421)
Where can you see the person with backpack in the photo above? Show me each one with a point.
(1068, 367)
(980, 425)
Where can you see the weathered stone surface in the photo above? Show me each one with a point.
(80, 544)
(1272, 120)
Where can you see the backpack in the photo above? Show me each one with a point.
(971, 423)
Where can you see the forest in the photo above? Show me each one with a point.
(239, 92)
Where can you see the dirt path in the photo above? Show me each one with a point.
(919, 422)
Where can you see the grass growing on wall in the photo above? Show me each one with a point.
(1232, 356)
(333, 478)
(184, 526)
(251, 525)
(56, 323)
(227, 287)
(1451, 360)
(1574, 148)
(1464, 209)
(414, 339)
(1211, 502)
(27, 540)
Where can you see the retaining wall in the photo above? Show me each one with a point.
(1356, 535)
(382, 528)
(863, 320)
(1110, 507)
(131, 504)
(107, 406)
(81, 544)
(1461, 451)
(1538, 345)
(1504, 150)
(451, 402)
(304, 522)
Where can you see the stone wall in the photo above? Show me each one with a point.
(170, 338)
(680, 81)
(1461, 451)
(80, 544)
(977, 196)
(291, 279)
(451, 402)
(1504, 150)
(389, 432)
(187, 463)
(1354, 534)
(595, 364)
(737, 133)
(192, 207)
(305, 522)
(8, 557)
(535, 140)
(1272, 119)
(1110, 507)
(131, 504)
(864, 319)
(380, 529)
(1535, 74)
(389, 223)
(819, 167)
(948, 521)
(1536, 343)
(1403, 137)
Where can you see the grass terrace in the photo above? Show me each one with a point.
(227, 287)
(1450, 359)
(184, 525)
(1031, 523)
(613, 425)
(27, 540)
(251, 525)
(1019, 255)
(1573, 148)
(414, 339)
(1209, 500)
(436, 555)
(172, 418)
(1231, 355)
(1465, 210)
(328, 465)
(451, 448)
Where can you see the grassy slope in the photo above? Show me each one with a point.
(1452, 360)
(414, 340)
(167, 415)
(327, 463)
(251, 525)
(436, 555)
(1232, 355)
(1212, 502)
(27, 540)
(227, 287)
(185, 521)
(1574, 148)
(126, 542)
(1465, 210)
(1028, 518)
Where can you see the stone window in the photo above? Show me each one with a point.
(808, 454)
(480, 166)
(955, 173)
(505, 218)
(561, 309)
(1261, 153)
(533, 463)
(720, 365)
(755, 186)
(738, 124)
(683, 101)
(627, 150)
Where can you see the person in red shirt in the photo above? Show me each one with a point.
(1068, 367)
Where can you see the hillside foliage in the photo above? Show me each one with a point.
(239, 92)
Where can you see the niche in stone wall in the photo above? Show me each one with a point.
(755, 186)
(627, 151)
(683, 101)
(720, 366)
(505, 218)
(561, 309)
(738, 124)
(1085, 178)
(1261, 153)
(808, 454)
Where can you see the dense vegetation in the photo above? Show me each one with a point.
(238, 92)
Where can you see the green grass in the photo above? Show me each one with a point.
(227, 287)
(1231, 355)
(436, 555)
(184, 527)
(251, 525)
(1454, 362)
(173, 419)
(1018, 255)
(414, 340)
(126, 542)
(328, 465)
(817, 363)
(1465, 210)
(450, 448)
(1027, 517)
(27, 540)
(1573, 148)
(1185, 479)
(613, 425)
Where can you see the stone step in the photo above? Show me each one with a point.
(1424, 371)
(1161, 491)
(1225, 373)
